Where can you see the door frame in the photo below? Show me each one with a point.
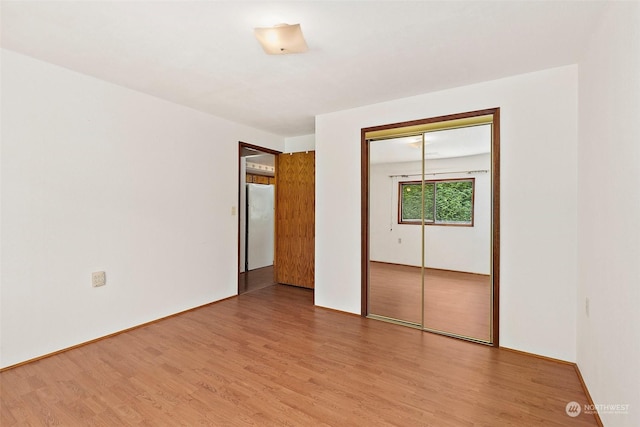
(495, 188)
(264, 150)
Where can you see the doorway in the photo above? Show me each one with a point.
(256, 223)
(430, 234)
(277, 236)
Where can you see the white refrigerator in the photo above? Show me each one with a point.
(260, 226)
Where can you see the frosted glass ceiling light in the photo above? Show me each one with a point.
(281, 39)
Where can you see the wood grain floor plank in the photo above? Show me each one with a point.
(271, 358)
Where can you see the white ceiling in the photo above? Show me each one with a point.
(203, 54)
(262, 159)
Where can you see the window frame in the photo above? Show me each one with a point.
(435, 186)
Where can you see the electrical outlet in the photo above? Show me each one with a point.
(233, 210)
(98, 278)
(586, 306)
(399, 239)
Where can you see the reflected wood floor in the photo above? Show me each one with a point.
(455, 302)
(257, 278)
(270, 358)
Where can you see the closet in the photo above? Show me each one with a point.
(431, 224)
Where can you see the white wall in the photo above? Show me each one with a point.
(538, 201)
(99, 177)
(296, 144)
(450, 248)
(608, 345)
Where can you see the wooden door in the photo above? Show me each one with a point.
(295, 219)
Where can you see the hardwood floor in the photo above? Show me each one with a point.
(270, 358)
(257, 278)
(455, 302)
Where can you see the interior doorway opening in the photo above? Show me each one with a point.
(278, 247)
(256, 217)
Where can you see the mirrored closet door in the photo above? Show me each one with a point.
(431, 248)
(395, 261)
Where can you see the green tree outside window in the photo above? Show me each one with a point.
(445, 202)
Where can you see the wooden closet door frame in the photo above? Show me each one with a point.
(495, 229)
(264, 150)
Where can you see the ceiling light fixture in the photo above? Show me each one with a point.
(281, 39)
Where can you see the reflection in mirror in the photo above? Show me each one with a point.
(430, 230)
(395, 265)
(457, 251)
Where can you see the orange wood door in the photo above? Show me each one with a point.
(295, 219)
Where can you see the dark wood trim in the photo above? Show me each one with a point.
(495, 247)
(238, 210)
(242, 145)
(364, 224)
(259, 148)
(495, 177)
(113, 334)
(419, 122)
